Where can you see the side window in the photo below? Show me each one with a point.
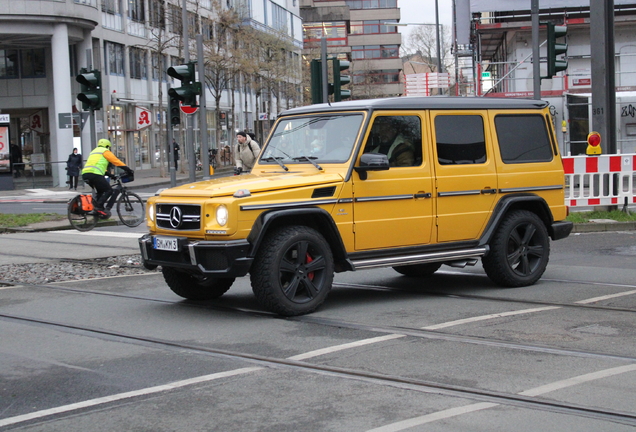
(398, 137)
(460, 139)
(523, 138)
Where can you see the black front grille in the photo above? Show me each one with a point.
(183, 217)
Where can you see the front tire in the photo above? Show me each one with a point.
(130, 209)
(519, 251)
(293, 271)
(195, 288)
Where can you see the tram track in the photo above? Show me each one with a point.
(413, 384)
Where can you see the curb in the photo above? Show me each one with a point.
(602, 227)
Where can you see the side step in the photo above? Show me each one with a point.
(463, 256)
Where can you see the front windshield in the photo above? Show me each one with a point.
(324, 138)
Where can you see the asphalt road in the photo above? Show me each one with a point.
(384, 353)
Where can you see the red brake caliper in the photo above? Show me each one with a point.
(310, 275)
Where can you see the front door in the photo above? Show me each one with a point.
(394, 208)
(466, 174)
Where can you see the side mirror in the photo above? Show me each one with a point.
(372, 162)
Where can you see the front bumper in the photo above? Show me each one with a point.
(561, 229)
(222, 258)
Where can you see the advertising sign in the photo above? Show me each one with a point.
(143, 118)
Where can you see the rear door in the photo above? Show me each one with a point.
(466, 175)
(394, 208)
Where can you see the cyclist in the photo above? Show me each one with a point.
(94, 172)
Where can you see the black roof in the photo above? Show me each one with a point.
(419, 103)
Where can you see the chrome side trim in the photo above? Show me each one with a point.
(193, 256)
(345, 200)
(531, 188)
(384, 198)
(420, 258)
(459, 193)
(287, 205)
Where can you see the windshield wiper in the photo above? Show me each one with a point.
(276, 159)
(309, 159)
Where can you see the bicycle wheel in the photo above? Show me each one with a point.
(81, 221)
(130, 209)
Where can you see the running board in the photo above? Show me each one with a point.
(465, 255)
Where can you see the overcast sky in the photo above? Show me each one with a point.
(423, 11)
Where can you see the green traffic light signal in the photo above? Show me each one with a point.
(91, 94)
(339, 80)
(189, 89)
(174, 111)
(554, 49)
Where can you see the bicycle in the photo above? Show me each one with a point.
(130, 208)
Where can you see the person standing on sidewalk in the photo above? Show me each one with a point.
(94, 171)
(73, 165)
(176, 148)
(246, 152)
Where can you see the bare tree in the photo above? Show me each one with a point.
(422, 42)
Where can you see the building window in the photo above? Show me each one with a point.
(335, 32)
(175, 24)
(384, 76)
(369, 52)
(279, 17)
(155, 67)
(111, 7)
(373, 27)
(138, 66)
(9, 64)
(114, 53)
(32, 63)
(156, 14)
(371, 4)
(136, 11)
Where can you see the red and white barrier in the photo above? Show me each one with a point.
(599, 180)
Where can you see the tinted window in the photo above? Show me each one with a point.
(523, 138)
(460, 139)
(398, 137)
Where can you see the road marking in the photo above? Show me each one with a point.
(126, 395)
(336, 348)
(453, 412)
(487, 317)
(100, 233)
(606, 297)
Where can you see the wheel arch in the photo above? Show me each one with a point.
(508, 203)
(313, 217)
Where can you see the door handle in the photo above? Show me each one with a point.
(489, 191)
(423, 195)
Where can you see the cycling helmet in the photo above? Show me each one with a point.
(103, 143)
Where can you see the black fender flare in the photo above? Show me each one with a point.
(313, 217)
(527, 201)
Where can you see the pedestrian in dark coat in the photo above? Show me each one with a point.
(73, 166)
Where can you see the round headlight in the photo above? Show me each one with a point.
(151, 212)
(221, 215)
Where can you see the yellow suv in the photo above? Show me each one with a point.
(409, 183)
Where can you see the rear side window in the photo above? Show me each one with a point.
(523, 138)
(460, 139)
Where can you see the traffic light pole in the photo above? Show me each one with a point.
(170, 146)
(203, 121)
(536, 56)
(323, 65)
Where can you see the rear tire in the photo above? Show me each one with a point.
(80, 220)
(192, 287)
(418, 270)
(130, 209)
(293, 271)
(519, 250)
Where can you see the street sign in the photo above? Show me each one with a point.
(485, 75)
(187, 109)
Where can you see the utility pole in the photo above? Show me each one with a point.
(536, 53)
(192, 163)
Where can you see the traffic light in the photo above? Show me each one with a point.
(554, 49)
(189, 89)
(91, 95)
(174, 111)
(340, 80)
(316, 82)
(593, 144)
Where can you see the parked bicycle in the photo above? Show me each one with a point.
(129, 206)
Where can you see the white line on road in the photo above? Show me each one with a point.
(336, 348)
(487, 317)
(453, 412)
(127, 395)
(606, 297)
